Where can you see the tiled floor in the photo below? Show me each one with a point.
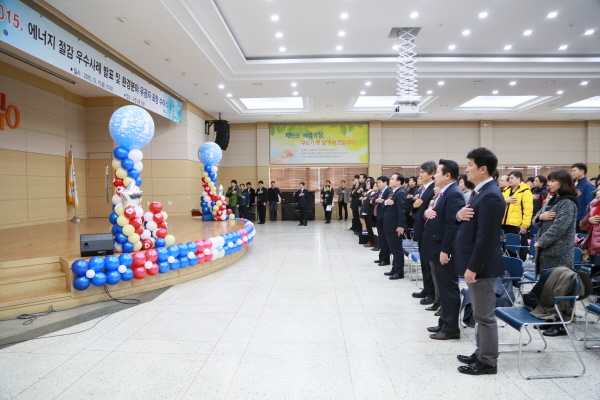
(305, 315)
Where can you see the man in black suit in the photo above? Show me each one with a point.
(261, 199)
(394, 224)
(379, 212)
(302, 204)
(478, 257)
(425, 196)
(252, 194)
(438, 247)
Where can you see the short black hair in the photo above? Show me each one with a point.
(580, 166)
(542, 179)
(272, 181)
(414, 178)
(530, 179)
(328, 181)
(466, 181)
(248, 183)
(364, 176)
(302, 183)
(449, 167)
(356, 176)
(483, 157)
(371, 182)
(496, 175)
(399, 177)
(261, 182)
(241, 184)
(516, 174)
(429, 167)
(342, 181)
(567, 187)
(384, 178)
(234, 181)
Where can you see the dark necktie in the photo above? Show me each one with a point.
(473, 194)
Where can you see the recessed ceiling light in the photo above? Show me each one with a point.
(330, 83)
(341, 33)
(550, 82)
(294, 84)
(441, 83)
(228, 94)
(508, 47)
(583, 83)
(512, 83)
(282, 48)
(363, 92)
(414, 15)
(563, 47)
(589, 32)
(257, 84)
(344, 15)
(443, 105)
(368, 83)
(279, 35)
(429, 91)
(466, 32)
(483, 14)
(338, 47)
(197, 84)
(527, 32)
(123, 19)
(148, 42)
(552, 14)
(477, 82)
(221, 86)
(184, 74)
(274, 17)
(560, 92)
(451, 47)
(395, 47)
(168, 59)
(495, 92)
(295, 93)
(328, 105)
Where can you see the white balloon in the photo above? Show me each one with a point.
(214, 243)
(207, 252)
(230, 244)
(171, 259)
(122, 269)
(138, 165)
(90, 273)
(214, 168)
(146, 234)
(116, 199)
(151, 225)
(239, 241)
(148, 264)
(207, 199)
(136, 155)
(223, 217)
(118, 247)
(245, 239)
(191, 255)
(139, 212)
(148, 216)
(221, 240)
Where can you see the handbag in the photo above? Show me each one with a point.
(329, 207)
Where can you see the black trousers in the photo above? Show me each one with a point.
(303, 214)
(244, 212)
(356, 225)
(384, 252)
(395, 243)
(447, 283)
(327, 213)
(428, 283)
(515, 229)
(342, 205)
(262, 211)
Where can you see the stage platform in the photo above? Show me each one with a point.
(35, 263)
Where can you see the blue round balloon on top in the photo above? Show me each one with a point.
(131, 127)
(210, 153)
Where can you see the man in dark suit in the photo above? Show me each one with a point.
(438, 247)
(425, 196)
(302, 204)
(261, 200)
(478, 257)
(394, 224)
(379, 212)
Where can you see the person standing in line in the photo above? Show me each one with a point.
(411, 190)
(233, 194)
(244, 202)
(343, 197)
(584, 191)
(302, 204)
(357, 190)
(503, 182)
(327, 200)
(478, 257)
(379, 213)
(261, 199)
(394, 225)
(252, 198)
(439, 234)
(540, 193)
(274, 196)
(465, 186)
(519, 209)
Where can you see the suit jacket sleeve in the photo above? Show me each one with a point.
(490, 212)
(400, 202)
(455, 202)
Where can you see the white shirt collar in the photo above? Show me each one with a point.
(442, 190)
(478, 187)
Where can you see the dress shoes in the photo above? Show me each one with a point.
(305, 224)
(426, 301)
(433, 307)
(555, 331)
(377, 261)
(419, 295)
(478, 368)
(383, 264)
(388, 273)
(438, 313)
(339, 219)
(434, 329)
(327, 222)
(467, 359)
(376, 248)
(369, 244)
(300, 224)
(445, 336)
(396, 276)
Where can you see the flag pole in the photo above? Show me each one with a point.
(76, 218)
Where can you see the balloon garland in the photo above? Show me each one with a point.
(213, 205)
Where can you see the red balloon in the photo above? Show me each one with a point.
(244, 244)
(117, 182)
(156, 207)
(139, 272)
(200, 244)
(161, 233)
(147, 244)
(153, 270)
(207, 244)
(208, 257)
(139, 259)
(129, 212)
(163, 225)
(158, 218)
(223, 207)
(139, 230)
(201, 257)
(119, 189)
(136, 222)
(228, 212)
(151, 255)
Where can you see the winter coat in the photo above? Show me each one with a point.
(519, 213)
(537, 204)
(556, 238)
(243, 202)
(592, 241)
(329, 199)
(232, 198)
(586, 188)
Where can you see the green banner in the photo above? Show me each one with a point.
(319, 144)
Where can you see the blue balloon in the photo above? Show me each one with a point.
(212, 175)
(127, 275)
(133, 173)
(138, 181)
(183, 249)
(99, 279)
(131, 127)
(210, 153)
(205, 210)
(213, 203)
(113, 277)
(163, 267)
(193, 260)
(208, 217)
(81, 283)
(163, 254)
(112, 218)
(116, 229)
(174, 265)
(127, 163)
(183, 262)
(160, 242)
(126, 259)
(127, 247)
(120, 238)
(112, 263)
(120, 153)
(193, 247)
(80, 267)
(96, 263)
(173, 250)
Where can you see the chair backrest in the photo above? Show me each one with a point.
(574, 292)
(513, 266)
(531, 250)
(577, 255)
(512, 242)
(533, 230)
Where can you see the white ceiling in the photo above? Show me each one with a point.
(233, 43)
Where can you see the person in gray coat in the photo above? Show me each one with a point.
(343, 198)
(556, 222)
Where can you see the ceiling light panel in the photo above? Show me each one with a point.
(592, 102)
(272, 103)
(496, 101)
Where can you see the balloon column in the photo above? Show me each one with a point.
(132, 128)
(214, 206)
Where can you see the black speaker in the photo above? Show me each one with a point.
(222, 133)
(98, 244)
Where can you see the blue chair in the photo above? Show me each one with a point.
(513, 245)
(514, 268)
(593, 308)
(520, 319)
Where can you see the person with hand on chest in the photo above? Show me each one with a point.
(394, 224)
(261, 202)
(302, 204)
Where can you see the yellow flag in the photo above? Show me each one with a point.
(72, 199)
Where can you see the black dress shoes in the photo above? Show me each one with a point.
(444, 336)
(300, 224)
(396, 276)
(383, 264)
(555, 331)
(478, 368)
(434, 329)
(388, 273)
(467, 359)
(376, 248)
(419, 295)
(426, 301)
(306, 224)
(377, 261)
(433, 307)
(438, 313)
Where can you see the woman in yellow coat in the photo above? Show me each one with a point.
(519, 209)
